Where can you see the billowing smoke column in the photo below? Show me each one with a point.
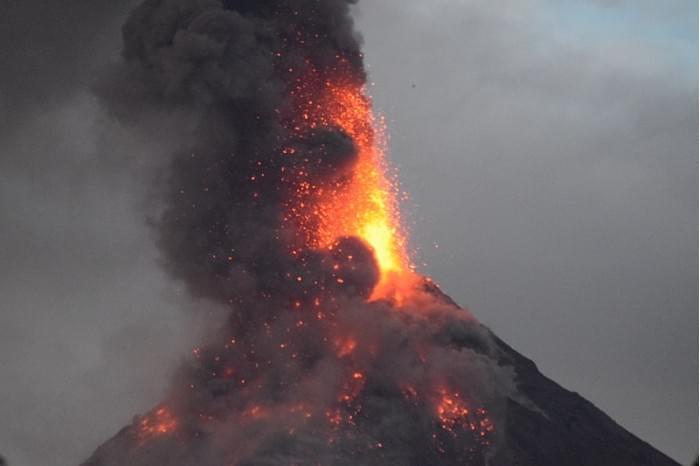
(277, 207)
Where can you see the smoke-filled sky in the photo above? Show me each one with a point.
(550, 150)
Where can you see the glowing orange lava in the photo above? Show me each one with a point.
(454, 415)
(157, 423)
(365, 205)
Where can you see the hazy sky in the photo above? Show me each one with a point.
(550, 149)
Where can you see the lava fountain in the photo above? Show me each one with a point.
(364, 204)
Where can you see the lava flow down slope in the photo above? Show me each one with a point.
(280, 208)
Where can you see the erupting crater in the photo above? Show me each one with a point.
(279, 208)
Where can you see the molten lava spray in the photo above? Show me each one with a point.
(278, 207)
(363, 205)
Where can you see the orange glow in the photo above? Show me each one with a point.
(455, 415)
(348, 398)
(365, 208)
(255, 412)
(346, 347)
(157, 423)
(451, 412)
(363, 204)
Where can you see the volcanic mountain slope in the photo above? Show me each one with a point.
(569, 430)
(541, 424)
(565, 428)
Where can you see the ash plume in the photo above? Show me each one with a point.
(306, 369)
(229, 67)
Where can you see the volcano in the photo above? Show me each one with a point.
(278, 207)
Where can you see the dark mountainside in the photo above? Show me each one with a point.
(565, 429)
(277, 209)
(570, 430)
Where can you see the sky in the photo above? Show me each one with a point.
(549, 148)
